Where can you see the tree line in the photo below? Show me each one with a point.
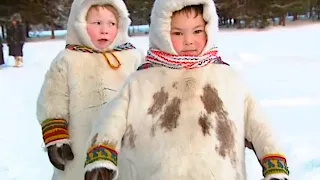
(232, 13)
(249, 13)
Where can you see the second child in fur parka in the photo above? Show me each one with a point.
(96, 61)
(186, 114)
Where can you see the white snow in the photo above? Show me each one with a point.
(281, 66)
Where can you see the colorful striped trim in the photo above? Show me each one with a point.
(54, 130)
(74, 47)
(161, 58)
(274, 164)
(125, 46)
(101, 153)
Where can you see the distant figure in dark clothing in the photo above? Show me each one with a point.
(16, 37)
(1, 54)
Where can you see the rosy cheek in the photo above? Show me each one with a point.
(176, 44)
(90, 31)
(205, 41)
(201, 43)
(114, 33)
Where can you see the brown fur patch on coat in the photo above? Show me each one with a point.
(170, 111)
(225, 128)
(175, 85)
(160, 98)
(169, 119)
(205, 124)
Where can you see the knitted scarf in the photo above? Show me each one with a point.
(125, 46)
(159, 58)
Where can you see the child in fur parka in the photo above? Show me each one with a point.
(185, 115)
(95, 63)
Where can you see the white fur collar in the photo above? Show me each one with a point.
(159, 34)
(76, 31)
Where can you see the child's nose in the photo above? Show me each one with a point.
(188, 40)
(104, 29)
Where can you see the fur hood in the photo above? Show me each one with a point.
(77, 32)
(159, 35)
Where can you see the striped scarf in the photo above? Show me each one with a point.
(121, 47)
(125, 46)
(159, 58)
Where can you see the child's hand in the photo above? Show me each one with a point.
(99, 174)
(58, 155)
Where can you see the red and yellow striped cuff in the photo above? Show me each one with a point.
(274, 164)
(54, 130)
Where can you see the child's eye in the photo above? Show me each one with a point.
(198, 31)
(97, 22)
(177, 33)
(112, 24)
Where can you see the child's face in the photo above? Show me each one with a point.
(188, 34)
(102, 27)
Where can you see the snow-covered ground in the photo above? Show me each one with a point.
(281, 67)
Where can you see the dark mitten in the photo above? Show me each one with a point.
(59, 155)
(99, 174)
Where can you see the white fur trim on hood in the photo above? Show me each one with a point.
(159, 35)
(77, 25)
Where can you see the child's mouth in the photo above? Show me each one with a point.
(189, 52)
(103, 40)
